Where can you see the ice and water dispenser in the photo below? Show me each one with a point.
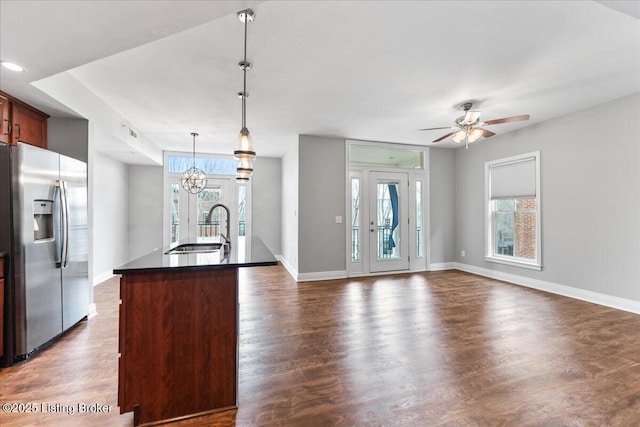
(42, 220)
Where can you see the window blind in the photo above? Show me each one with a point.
(511, 180)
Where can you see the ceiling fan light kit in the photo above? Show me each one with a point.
(471, 135)
(468, 128)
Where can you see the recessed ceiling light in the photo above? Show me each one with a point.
(11, 66)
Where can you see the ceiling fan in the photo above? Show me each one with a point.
(468, 127)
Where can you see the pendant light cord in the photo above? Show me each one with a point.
(194, 149)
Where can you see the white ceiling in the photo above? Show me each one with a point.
(368, 70)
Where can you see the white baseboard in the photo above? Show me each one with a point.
(99, 278)
(321, 275)
(310, 277)
(554, 288)
(93, 311)
(292, 271)
(442, 266)
(385, 273)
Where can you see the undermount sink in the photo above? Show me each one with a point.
(190, 248)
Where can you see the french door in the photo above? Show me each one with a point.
(388, 222)
(189, 212)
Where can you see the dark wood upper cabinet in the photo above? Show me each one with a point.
(22, 123)
(4, 119)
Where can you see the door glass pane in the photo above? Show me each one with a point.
(355, 219)
(419, 219)
(174, 198)
(388, 215)
(206, 199)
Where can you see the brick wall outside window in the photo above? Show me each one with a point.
(525, 229)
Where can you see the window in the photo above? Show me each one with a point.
(210, 166)
(355, 219)
(418, 221)
(242, 210)
(513, 211)
(174, 206)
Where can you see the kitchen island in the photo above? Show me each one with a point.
(178, 333)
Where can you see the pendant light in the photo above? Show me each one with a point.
(244, 171)
(194, 180)
(245, 152)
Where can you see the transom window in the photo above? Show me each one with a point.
(210, 166)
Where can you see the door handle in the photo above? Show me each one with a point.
(64, 220)
(19, 131)
(59, 233)
(65, 210)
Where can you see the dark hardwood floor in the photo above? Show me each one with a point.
(443, 348)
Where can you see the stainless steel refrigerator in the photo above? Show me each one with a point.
(44, 231)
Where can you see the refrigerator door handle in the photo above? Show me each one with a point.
(64, 203)
(59, 221)
(65, 210)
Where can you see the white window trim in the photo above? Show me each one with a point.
(489, 225)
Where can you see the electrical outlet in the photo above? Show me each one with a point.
(463, 253)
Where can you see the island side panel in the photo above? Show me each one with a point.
(179, 354)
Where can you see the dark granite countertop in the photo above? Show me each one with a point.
(254, 254)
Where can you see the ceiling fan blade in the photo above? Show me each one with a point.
(471, 117)
(443, 137)
(445, 127)
(508, 120)
(486, 133)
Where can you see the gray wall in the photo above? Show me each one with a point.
(145, 209)
(69, 137)
(110, 213)
(266, 195)
(442, 206)
(321, 193)
(590, 189)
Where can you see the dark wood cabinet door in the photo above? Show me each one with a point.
(28, 126)
(5, 124)
(178, 343)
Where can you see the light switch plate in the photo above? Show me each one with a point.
(338, 220)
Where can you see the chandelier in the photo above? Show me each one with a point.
(245, 152)
(194, 180)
